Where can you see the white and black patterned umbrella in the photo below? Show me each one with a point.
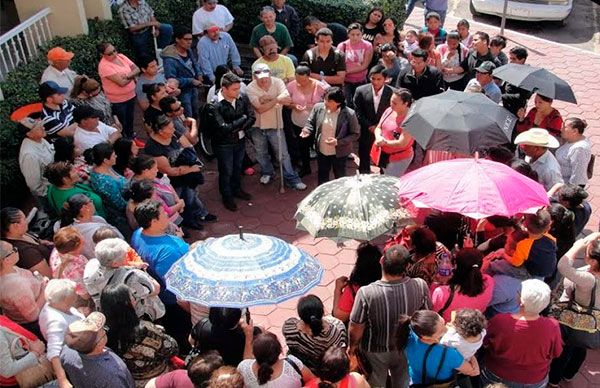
(360, 207)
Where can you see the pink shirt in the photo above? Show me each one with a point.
(73, 268)
(355, 55)
(480, 302)
(20, 295)
(115, 93)
(299, 117)
(390, 128)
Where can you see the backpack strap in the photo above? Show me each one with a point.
(448, 301)
(439, 368)
(424, 369)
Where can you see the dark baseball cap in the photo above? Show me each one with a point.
(85, 112)
(49, 88)
(486, 67)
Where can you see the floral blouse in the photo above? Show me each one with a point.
(69, 266)
(110, 189)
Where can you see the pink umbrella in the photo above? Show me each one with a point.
(476, 188)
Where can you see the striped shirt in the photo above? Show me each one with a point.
(56, 120)
(379, 306)
(310, 349)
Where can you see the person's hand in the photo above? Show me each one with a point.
(305, 133)
(188, 122)
(372, 128)
(194, 168)
(331, 141)
(196, 82)
(238, 70)
(380, 141)
(37, 347)
(284, 100)
(265, 99)
(155, 31)
(247, 328)
(390, 55)
(589, 238)
(451, 54)
(341, 282)
(521, 114)
(64, 383)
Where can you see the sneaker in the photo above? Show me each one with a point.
(230, 205)
(243, 195)
(265, 179)
(249, 171)
(299, 186)
(209, 218)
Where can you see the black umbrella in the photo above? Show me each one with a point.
(536, 79)
(459, 122)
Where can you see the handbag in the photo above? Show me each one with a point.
(435, 384)
(34, 376)
(577, 317)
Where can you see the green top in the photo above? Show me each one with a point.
(57, 197)
(281, 35)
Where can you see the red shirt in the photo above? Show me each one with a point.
(175, 379)
(553, 122)
(519, 350)
(347, 299)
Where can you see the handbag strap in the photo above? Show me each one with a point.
(592, 304)
(439, 367)
(296, 368)
(424, 369)
(448, 301)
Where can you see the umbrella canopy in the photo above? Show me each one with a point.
(242, 271)
(360, 207)
(476, 188)
(536, 79)
(459, 122)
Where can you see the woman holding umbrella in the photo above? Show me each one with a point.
(394, 144)
(542, 115)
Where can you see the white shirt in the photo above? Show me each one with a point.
(272, 118)
(87, 230)
(376, 98)
(53, 325)
(87, 139)
(547, 168)
(573, 159)
(33, 159)
(328, 129)
(64, 78)
(465, 348)
(220, 16)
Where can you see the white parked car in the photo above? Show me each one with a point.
(530, 10)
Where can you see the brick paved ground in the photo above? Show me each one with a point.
(272, 213)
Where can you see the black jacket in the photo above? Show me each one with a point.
(364, 108)
(223, 122)
(427, 84)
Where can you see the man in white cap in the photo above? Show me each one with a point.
(58, 70)
(268, 95)
(86, 359)
(535, 144)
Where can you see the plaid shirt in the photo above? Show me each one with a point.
(131, 16)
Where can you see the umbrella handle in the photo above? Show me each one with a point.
(240, 227)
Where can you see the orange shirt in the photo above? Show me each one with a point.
(115, 93)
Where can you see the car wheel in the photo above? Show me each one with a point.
(562, 23)
(472, 9)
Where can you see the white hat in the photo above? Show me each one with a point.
(261, 70)
(537, 137)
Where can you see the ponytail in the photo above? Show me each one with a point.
(423, 323)
(316, 325)
(71, 209)
(311, 311)
(467, 274)
(402, 332)
(265, 371)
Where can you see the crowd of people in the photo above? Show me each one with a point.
(447, 302)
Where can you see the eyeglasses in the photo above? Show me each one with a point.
(14, 250)
(177, 108)
(262, 71)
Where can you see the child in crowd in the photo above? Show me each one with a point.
(506, 252)
(463, 31)
(66, 260)
(433, 25)
(410, 42)
(497, 44)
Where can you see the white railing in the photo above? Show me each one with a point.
(21, 44)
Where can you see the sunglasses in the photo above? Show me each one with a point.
(14, 250)
(176, 108)
(262, 71)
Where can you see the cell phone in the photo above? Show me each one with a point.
(248, 316)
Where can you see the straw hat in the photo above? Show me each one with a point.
(537, 137)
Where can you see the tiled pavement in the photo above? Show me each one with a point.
(272, 213)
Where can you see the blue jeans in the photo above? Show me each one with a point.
(230, 160)
(124, 111)
(487, 377)
(142, 41)
(261, 139)
(194, 208)
(189, 101)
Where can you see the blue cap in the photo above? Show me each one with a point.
(49, 88)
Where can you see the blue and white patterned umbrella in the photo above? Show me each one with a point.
(242, 271)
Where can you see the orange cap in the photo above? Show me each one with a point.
(60, 54)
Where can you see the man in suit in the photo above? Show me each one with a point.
(370, 101)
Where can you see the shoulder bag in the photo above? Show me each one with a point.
(448, 301)
(577, 317)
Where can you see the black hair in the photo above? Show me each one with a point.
(181, 31)
(141, 162)
(463, 22)
(562, 228)
(83, 112)
(224, 317)
(145, 61)
(57, 172)
(425, 41)
(498, 41)
(519, 52)
(423, 241)
(405, 95)
(354, 26)
(573, 195)
(104, 233)
(202, 367)
(576, 123)
(524, 168)
(501, 221)
(380, 23)
(229, 79)
(64, 149)
(219, 72)
(266, 349)
(147, 211)
(538, 222)
(303, 69)
(453, 35)
(395, 260)
(544, 98)
(311, 311)
(98, 153)
(334, 366)
(307, 21)
(101, 47)
(8, 216)
(423, 323)
(335, 93)
(483, 36)
(152, 89)
(140, 190)
(121, 318)
(166, 102)
(323, 32)
(160, 122)
(420, 53)
(593, 252)
(469, 322)
(377, 69)
(122, 148)
(498, 154)
(367, 268)
(467, 275)
(72, 207)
